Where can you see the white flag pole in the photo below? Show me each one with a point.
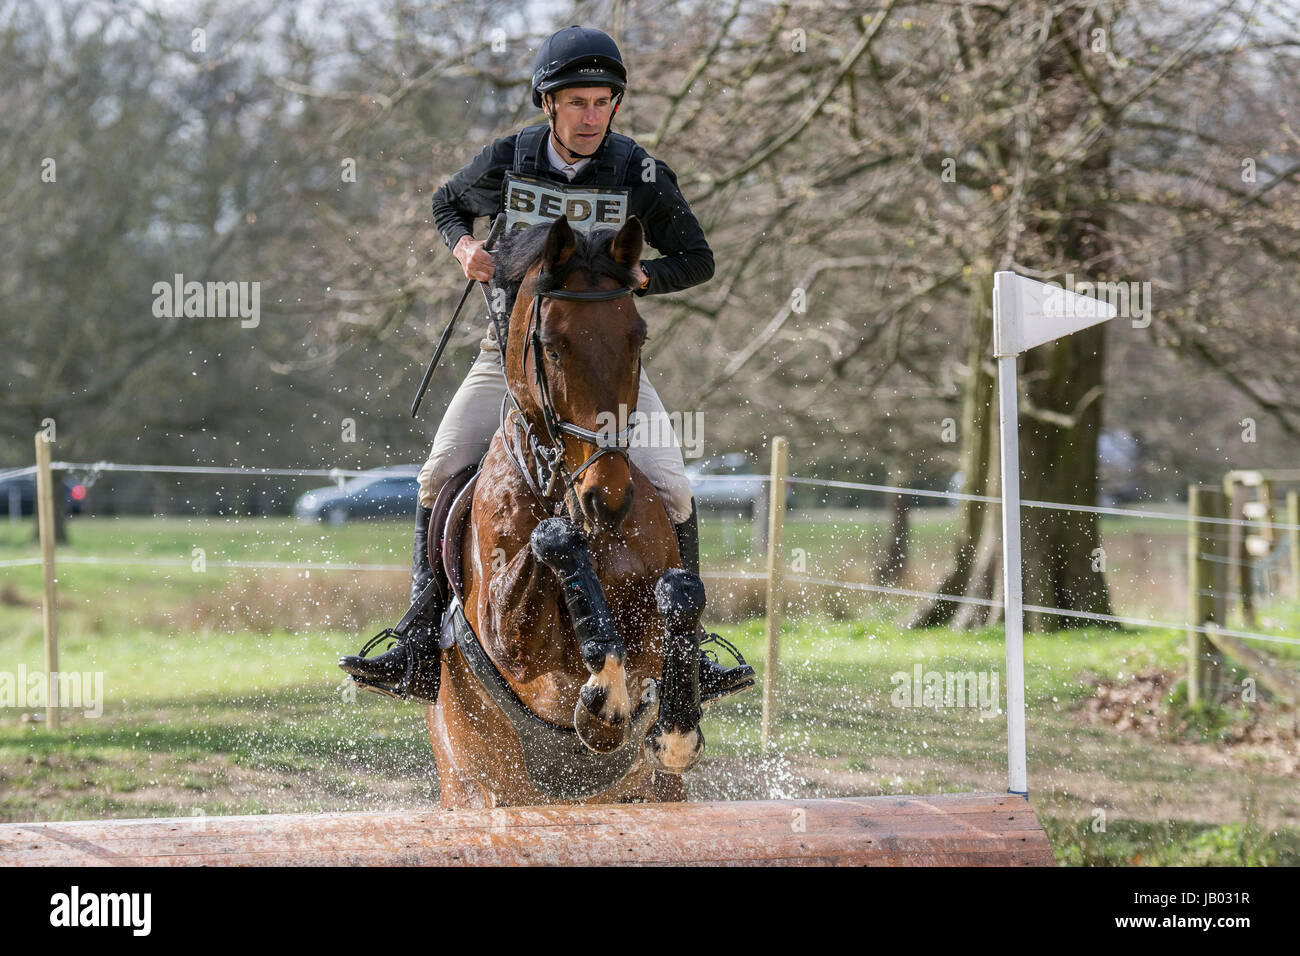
(1013, 593)
(1026, 314)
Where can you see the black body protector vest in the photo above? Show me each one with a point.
(528, 199)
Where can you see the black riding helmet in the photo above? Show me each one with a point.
(577, 56)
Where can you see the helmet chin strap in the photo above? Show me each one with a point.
(550, 115)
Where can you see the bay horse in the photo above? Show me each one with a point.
(571, 664)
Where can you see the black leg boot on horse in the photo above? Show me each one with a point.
(716, 681)
(604, 707)
(411, 670)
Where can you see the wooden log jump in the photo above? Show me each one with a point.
(949, 830)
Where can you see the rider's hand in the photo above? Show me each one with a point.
(641, 277)
(473, 258)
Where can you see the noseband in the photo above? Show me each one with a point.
(549, 455)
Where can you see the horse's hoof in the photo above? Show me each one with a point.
(558, 544)
(674, 753)
(597, 735)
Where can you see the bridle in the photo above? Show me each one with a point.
(549, 454)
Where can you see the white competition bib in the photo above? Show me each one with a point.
(529, 201)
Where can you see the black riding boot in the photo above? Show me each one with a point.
(716, 681)
(413, 668)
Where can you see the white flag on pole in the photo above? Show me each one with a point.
(1027, 313)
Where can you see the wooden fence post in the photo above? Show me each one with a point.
(1268, 532)
(45, 525)
(1241, 566)
(775, 562)
(1206, 580)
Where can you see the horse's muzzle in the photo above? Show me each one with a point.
(597, 509)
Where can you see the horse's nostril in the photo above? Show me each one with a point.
(597, 506)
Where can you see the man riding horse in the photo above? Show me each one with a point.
(574, 165)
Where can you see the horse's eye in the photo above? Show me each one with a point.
(552, 354)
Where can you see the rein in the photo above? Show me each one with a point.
(549, 454)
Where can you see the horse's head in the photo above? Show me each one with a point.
(580, 356)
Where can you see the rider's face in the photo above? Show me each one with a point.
(581, 115)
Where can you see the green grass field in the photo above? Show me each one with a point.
(220, 695)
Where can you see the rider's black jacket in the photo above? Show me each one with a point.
(670, 226)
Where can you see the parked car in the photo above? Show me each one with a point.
(20, 494)
(382, 493)
(731, 482)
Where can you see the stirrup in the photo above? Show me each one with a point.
(395, 690)
(713, 655)
(709, 661)
(401, 689)
(387, 632)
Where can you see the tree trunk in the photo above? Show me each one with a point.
(893, 565)
(984, 584)
(1063, 563)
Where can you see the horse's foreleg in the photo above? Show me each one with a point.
(675, 743)
(604, 705)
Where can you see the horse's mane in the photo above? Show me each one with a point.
(518, 249)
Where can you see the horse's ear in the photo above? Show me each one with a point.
(560, 244)
(626, 245)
